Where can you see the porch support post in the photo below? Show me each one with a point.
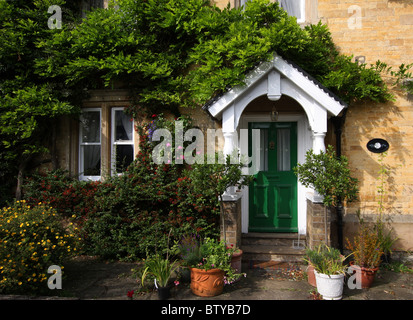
(318, 142)
(230, 144)
(231, 227)
(318, 147)
(229, 130)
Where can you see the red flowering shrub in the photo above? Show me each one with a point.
(66, 194)
(129, 215)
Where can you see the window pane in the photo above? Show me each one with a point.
(293, 7)
(243, 2)
(124, 157)
(90, 126)
(283, 150)
(123, 126)
(91, 160)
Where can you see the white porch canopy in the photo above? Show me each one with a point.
(275, 78)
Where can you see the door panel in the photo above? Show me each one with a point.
(273, 193)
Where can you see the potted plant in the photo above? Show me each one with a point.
(330, 177)
(310, 268)
(188, 250)
(212, 269)
(329, 271)
(161, 269)
(384, 231)
(386, 239)
(366, 250)
(236, 259)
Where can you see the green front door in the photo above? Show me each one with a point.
(273, 193)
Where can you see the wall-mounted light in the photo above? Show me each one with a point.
(274, 114)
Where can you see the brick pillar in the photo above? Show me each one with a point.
(232, 213)
(318, 231)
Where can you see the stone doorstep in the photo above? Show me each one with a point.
(273, 247)
(267, 265)
(273, 235)
(278, 239)
(272, 253)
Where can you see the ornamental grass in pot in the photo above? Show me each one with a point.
(366, 250)
(329, 271)
(161, 269)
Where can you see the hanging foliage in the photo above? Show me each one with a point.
(184, 52)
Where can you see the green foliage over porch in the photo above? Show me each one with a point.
(183, 53)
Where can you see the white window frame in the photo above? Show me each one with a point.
(241, 3)
(81, 144)
(114, 143)
(302, 7)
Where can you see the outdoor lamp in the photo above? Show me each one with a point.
(274, 114)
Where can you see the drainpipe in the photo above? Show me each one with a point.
(338, 123)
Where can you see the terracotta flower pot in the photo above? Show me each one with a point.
(207, 283)
(311, 275)
(367, 275)
(236, 260)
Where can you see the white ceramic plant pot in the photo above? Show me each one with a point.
(330, 286)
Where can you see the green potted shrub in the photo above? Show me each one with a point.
(367, 251)
(212, 269)
(329, 271)
(329, 176)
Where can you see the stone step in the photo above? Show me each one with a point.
(272, 253)
(276, 239)
(259, 247)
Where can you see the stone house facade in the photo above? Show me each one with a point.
(367, 29)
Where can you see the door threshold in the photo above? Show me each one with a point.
(275, 235)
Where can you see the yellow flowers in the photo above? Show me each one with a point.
(30, 237)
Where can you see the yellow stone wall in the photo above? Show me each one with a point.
(378, 30)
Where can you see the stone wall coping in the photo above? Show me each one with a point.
(314, 197)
